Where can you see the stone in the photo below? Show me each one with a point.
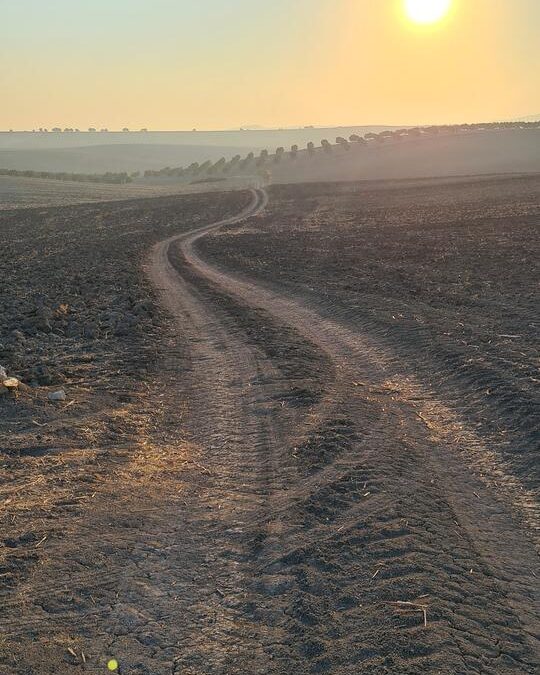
(59, 395)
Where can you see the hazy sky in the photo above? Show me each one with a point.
(211, 64)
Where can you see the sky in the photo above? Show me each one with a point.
(222, 64)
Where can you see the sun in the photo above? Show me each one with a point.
(427, 11)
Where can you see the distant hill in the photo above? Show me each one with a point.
(248, 139)
(102, 158)
(529, 118)
(97, 152)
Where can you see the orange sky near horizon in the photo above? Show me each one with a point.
(215, 64)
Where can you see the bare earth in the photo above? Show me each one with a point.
(326, 446)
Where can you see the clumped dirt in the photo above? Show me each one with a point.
(78, 314)
(444, 275)
(332, 468)
(415, 480)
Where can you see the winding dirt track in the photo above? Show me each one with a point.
(300, 505)
(335, 492)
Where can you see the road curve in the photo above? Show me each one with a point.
(340, 526)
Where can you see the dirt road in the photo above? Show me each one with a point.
(347, 533)
(301, 504)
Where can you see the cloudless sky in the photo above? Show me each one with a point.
(214, 64)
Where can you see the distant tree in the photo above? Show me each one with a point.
(343, 142)
(294, 151)
(104, 131)
(218, 166)
(311, 148)
(235, 162)
(144, 130)
(326, 146)
(354, 138)
(108, 177)
(279, 154)
(263, 157)
(125, 129)
(91, 130)
(203, 168)
(57, 130)
(247, 160)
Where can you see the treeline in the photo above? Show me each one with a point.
(238, 164)
(108, 177)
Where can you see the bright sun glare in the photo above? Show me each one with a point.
(427, 11)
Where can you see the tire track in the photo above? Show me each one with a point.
(376, 509)
(325, 486)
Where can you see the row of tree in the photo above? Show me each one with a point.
(108, 177)
(222, 167)
(237, 164)
(70, 130)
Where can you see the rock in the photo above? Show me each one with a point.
(59, 395)
(11, 383)
(3, 374)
